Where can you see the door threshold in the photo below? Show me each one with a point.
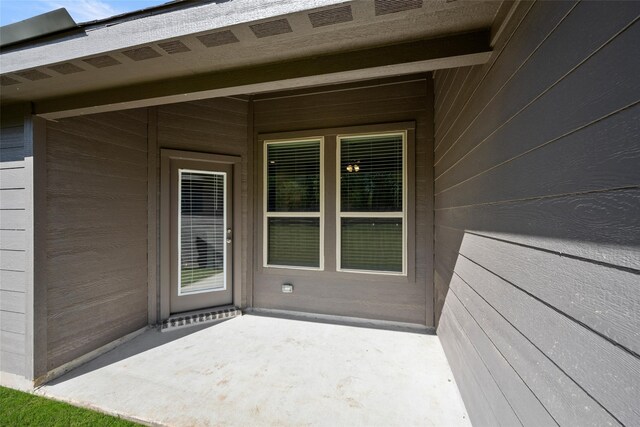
(199, 317)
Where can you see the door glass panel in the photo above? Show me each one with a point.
(201, 231)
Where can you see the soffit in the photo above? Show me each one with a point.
(336, 27)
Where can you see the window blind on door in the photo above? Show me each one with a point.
(202, 225)
(293, 197)
(371, 207)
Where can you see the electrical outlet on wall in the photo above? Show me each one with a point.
(287, 288)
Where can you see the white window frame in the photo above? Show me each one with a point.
(265, 208)
(340, 214)
(224, 228)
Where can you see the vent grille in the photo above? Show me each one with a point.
(102, 61)
(33, 75)
(66, 68)
(141, 53)
(174, 46)
(271, 28)
(333, 16)
(8, 81)
(218, 39)
(384, 7)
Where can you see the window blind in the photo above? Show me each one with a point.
(371, 208)
(202, 225)
(293, 199)
(293, 176)
(371, 174)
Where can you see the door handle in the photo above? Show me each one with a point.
(229, 235)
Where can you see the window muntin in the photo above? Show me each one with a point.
(293, 196)
(371, 203)
(202, 221)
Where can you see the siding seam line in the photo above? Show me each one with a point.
(446, 114)
(511, 77)
(556, 309)
(544, 144)
(538, 348)
(543, 93)
(547, 197)
(466, 336)
(526, 384)
(549, 251)
(497, 56)
(449, 86)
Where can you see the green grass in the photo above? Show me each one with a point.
(24, 409)
(193, 275)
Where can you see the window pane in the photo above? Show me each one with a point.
(371, 244)
(202, 237)
(293, 177)
(294, 242)
(371, 174)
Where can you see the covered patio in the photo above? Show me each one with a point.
(259, 370)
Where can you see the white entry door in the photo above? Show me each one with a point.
(201, 235)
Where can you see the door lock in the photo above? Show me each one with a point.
(228, 235)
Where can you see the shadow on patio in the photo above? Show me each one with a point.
(259, 370)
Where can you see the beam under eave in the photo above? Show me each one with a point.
(392, 60)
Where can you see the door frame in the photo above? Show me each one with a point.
(166, 156)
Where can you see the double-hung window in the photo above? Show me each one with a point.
(371, 203)
(368, 182)
(293, 195)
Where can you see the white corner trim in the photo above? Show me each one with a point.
(16, 382)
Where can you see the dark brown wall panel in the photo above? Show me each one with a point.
(216, 126)
(96, 230)
(406, 99)
(537, 200)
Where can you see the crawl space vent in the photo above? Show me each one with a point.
(174, 46)
(271, 28)
(141, 53)
(218, 39)
(66, 68)
(333, 16)
(8, 81)
(33, 75)
(102, 61)
(384, 7)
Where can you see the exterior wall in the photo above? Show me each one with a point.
(14, 225)
(537, 200)
(348, 294)
(216, 126)
(96, 232)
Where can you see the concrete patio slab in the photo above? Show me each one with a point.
(266, 371)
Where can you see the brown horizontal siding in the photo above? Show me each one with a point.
(537, 195)
(217, 126)
(96, 234)
(364, 103)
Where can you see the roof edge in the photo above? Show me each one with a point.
(38, 26)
